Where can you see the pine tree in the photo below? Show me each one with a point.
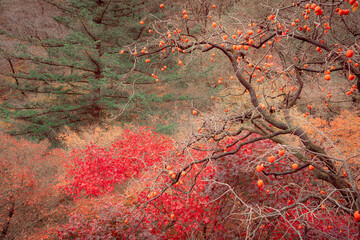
(83, 77)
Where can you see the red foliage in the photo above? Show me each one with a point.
(95, 170)
(103, 218)
(174, 205)
(27, 189)
(176, 215)
(173, 214)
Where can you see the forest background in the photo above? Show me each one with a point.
(179, 119)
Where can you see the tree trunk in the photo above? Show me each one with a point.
(8, 219)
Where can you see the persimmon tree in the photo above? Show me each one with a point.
(280, 55)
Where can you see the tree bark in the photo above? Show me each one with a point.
(8, 219)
